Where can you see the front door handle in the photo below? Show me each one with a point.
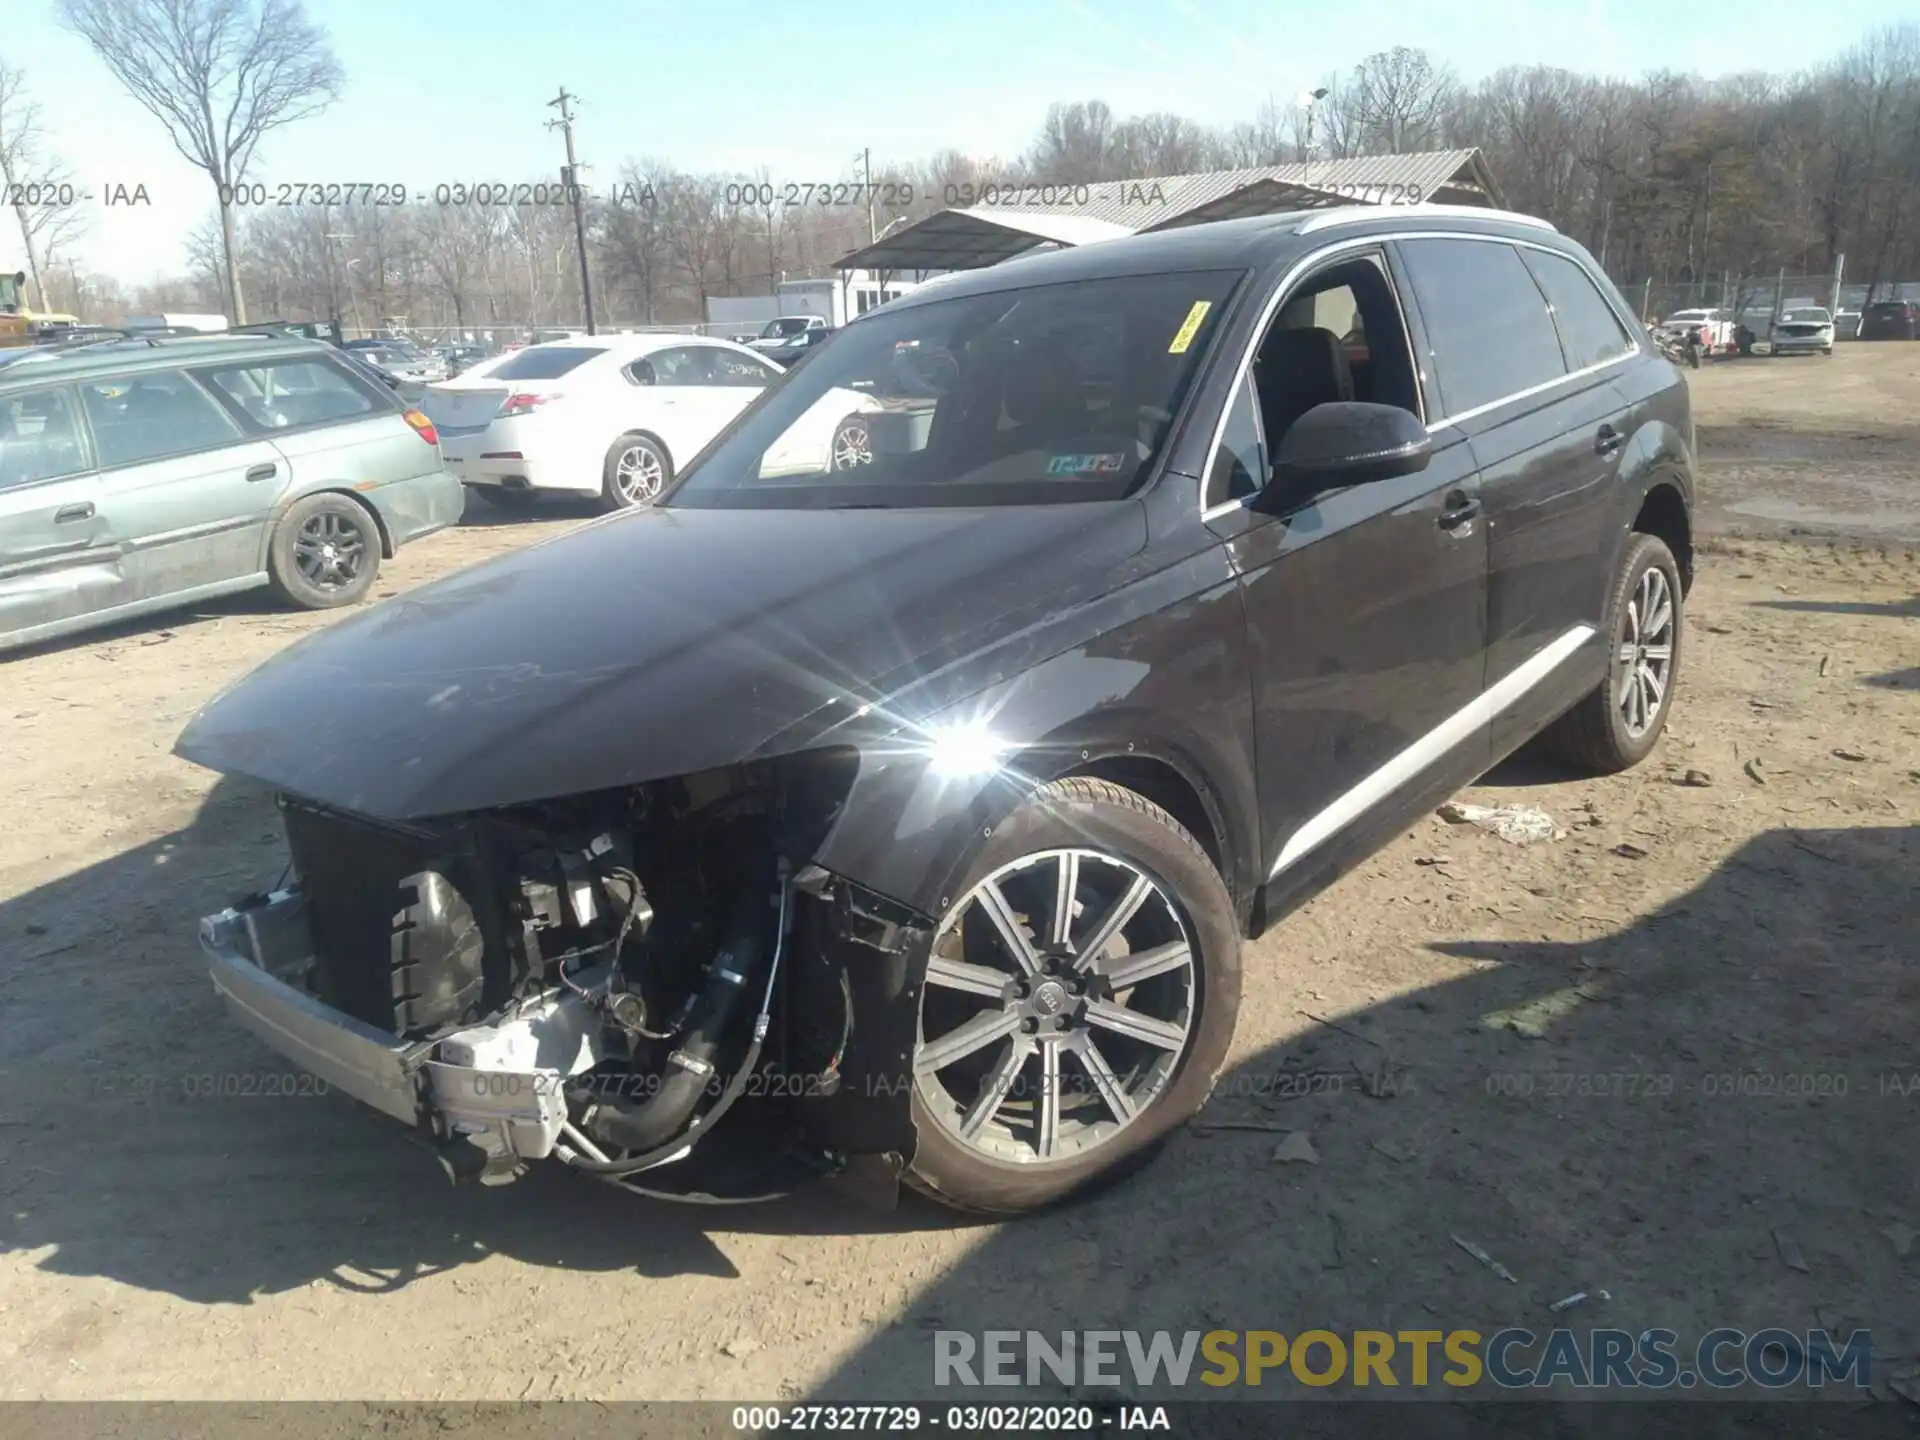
(1460, 510)
(67, 513)
(1608, 440)
(263, 472)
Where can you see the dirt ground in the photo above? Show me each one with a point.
(1669, 1054)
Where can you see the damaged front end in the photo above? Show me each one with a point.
(598, 979)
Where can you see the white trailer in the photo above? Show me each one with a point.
(834, 300)
(209, 324)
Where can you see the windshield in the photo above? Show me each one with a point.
(788, 325)
(1806, 317)
(545, 362)
(1035, 396)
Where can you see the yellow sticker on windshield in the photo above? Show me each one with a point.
(1189, 327)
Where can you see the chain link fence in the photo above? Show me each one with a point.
(1754, 300)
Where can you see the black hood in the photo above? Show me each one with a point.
(659, 643)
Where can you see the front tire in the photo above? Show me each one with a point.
(1079, 1000)
(325, 552)
(1617, 726)
(634, 474)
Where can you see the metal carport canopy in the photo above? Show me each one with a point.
(973, 239)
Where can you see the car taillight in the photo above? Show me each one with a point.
(522, 404)
(422, 426)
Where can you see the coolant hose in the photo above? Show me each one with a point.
(644, 1122)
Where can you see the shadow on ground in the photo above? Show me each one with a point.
(130, 1156)
(1710, 1114)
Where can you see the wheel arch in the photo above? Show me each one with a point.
(652, 438)
(1663, 513)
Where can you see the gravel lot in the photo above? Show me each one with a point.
(1670, 1053)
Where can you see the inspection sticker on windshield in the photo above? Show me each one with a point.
(1189, 327)
(1110, 464)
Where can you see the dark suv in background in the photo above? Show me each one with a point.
(1178, 573)
(1890, 320)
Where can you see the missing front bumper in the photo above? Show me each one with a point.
(496, 1088)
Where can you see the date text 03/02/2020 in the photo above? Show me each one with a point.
(968, 1419)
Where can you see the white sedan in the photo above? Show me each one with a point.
(606, 415)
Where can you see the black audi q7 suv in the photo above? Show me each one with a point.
(910, 803)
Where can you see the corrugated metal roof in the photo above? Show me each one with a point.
(1049, 212)
(1145, 204)
(972, 239)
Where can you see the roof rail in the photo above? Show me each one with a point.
(1354, 214)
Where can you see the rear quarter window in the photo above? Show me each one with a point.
(1488, 325)
(286, 394)
(1590, 330)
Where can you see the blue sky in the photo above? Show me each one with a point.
(439, 91)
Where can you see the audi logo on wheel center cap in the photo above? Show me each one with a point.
(1050, 998)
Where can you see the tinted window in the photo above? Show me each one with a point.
(1486, 320)
(291, 392)
(1043, 394)
(688, 365)
(1240, 464)
(145, 417)
(548, 362)
(39, 438)
(1589, 330)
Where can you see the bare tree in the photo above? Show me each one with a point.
(40, 188)
(219, 75)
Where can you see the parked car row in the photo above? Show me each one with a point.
(139, 474)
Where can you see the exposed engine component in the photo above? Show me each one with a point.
(593, 978)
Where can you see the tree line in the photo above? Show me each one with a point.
(1668, 178)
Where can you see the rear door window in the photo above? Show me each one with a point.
(40, 438)
(1487, 322)
(152, 415)
(283, 394)
(683, 365)
(1590, 331)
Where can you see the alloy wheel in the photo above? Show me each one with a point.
(329, 550)
(1643, 661)
(852, 446)
(1060, 1000)
(638, 475)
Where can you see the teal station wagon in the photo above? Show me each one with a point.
(136, 475)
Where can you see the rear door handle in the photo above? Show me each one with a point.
(263, 472)
(1461, 508)
(66, 513)
(1608, 440)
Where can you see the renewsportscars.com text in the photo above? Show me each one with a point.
(1510, 1359)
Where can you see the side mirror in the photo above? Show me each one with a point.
(1349, 442)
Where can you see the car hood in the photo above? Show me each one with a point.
(651, 644)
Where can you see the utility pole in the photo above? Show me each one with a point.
(570, 177)
(866, 165)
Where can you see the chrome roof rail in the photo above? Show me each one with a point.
(1356, 214)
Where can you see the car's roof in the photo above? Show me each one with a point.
(59, 364)
(645, 344)
(1246, 243)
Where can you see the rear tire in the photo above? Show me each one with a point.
(1618, 724)
(637, 469)
(1128, 1046)
(325, 552)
